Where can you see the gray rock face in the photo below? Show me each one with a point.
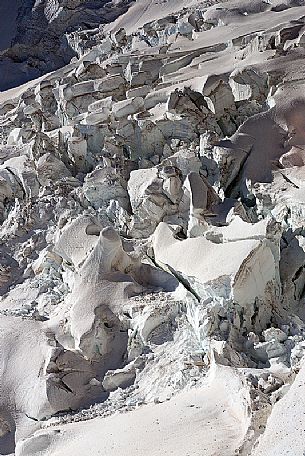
(35, 34)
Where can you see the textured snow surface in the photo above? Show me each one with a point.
(152, 243)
